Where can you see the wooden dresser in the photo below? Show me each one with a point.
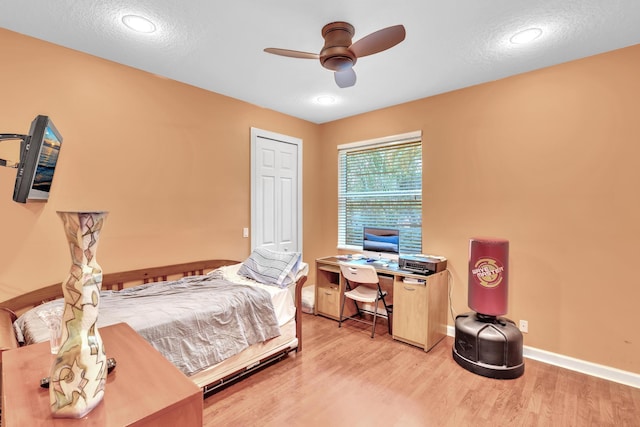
(144, 389)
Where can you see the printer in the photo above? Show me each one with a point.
(422, 264)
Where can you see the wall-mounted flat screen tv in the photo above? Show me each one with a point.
(38, 159)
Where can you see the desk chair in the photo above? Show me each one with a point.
(357, 277)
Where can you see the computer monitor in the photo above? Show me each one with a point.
(381, 243)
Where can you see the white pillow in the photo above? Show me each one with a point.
(271, 267)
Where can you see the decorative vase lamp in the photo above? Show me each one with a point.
(79, 372)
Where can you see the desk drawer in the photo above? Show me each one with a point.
(328, 301)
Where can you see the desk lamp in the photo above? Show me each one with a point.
(485, 343)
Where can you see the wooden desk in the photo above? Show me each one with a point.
(144, 389)
(419, 310)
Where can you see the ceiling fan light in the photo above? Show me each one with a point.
(339, 54)
(138, 23)
(526, 36)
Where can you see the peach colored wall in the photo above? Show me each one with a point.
(170, 162)
(548, 160)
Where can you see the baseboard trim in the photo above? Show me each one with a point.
(601, 371)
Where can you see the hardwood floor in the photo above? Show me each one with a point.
(345, 378)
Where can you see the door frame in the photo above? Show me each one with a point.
(261, 133)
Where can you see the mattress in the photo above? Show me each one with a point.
(283, 302)
(280, 299)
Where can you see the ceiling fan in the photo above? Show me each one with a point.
(340, 55)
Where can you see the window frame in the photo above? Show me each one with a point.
(384, 142)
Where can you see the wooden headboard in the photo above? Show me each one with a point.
(116, 281)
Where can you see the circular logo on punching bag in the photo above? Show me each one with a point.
(488, 272)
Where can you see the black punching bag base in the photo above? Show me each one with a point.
(489, 346)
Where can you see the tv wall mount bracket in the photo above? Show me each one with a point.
(10, 136)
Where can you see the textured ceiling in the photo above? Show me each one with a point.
(218, 46)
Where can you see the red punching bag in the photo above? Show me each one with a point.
(488, 278)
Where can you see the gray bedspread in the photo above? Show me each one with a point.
(195, 322)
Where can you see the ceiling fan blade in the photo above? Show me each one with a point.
(292, 53)
(345, 78)
(378, 41)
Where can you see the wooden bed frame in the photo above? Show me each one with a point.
(13, 307)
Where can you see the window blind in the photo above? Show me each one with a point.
(380, 185)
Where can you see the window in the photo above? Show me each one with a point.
(380, 185)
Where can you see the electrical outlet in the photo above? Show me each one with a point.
(524, 326)
(245, 232)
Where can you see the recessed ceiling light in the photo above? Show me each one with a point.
(526, 36)
(325, 100)
(138, 23)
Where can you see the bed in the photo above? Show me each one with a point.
(190, 283)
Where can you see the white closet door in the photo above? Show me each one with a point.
(276, 208)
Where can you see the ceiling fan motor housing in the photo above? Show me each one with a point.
(336, 55)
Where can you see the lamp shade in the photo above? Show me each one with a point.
(488, 276)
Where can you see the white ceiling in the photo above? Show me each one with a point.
(218, 45)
